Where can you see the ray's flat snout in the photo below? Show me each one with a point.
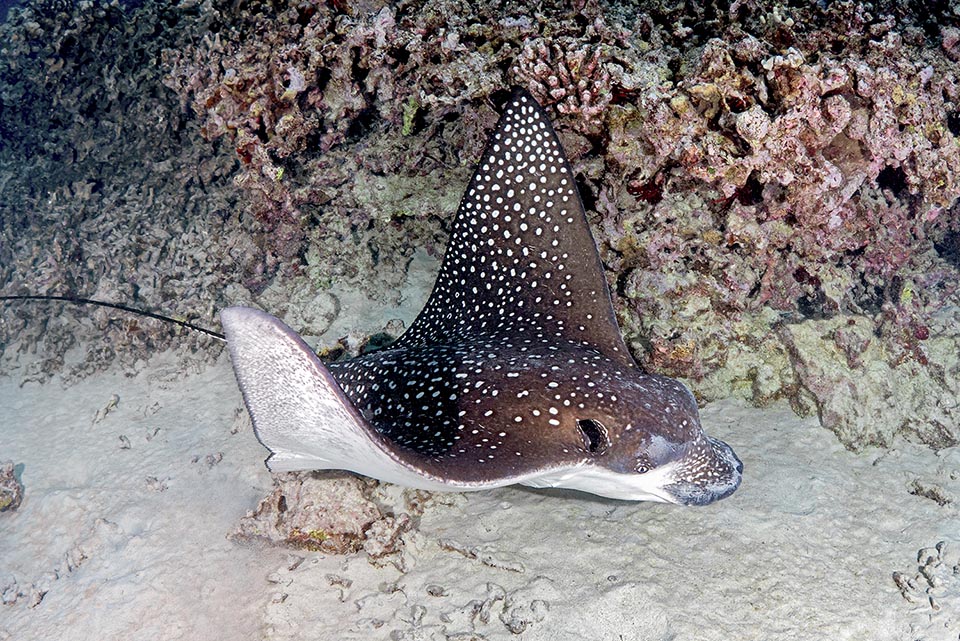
(722, 480)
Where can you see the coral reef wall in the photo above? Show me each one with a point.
(773, 186)
(106, 188)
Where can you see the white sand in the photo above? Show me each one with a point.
(804, 550)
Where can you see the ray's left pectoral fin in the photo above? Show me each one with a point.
(299, 411)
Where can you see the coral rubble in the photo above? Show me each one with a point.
(11, 490)
(321, 513)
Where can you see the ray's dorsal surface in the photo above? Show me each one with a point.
(514, 371)
(521, 257)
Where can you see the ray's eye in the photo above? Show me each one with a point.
(642, 469)
(594, 435)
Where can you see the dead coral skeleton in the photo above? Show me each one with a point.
(568, 74)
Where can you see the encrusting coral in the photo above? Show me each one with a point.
(774, 188)
(569, 75)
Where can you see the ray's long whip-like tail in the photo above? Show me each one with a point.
(76, 300)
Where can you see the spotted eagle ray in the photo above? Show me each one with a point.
(514, 371)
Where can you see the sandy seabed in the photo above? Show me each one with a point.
(132, 484)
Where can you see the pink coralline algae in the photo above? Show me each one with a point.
(294, 89)
(569, 75)
(267, 86)
(838, 129)
(825, 175)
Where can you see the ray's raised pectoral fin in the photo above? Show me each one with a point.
(521, 253)
(299, 411)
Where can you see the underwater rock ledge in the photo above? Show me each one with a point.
(774, 189)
